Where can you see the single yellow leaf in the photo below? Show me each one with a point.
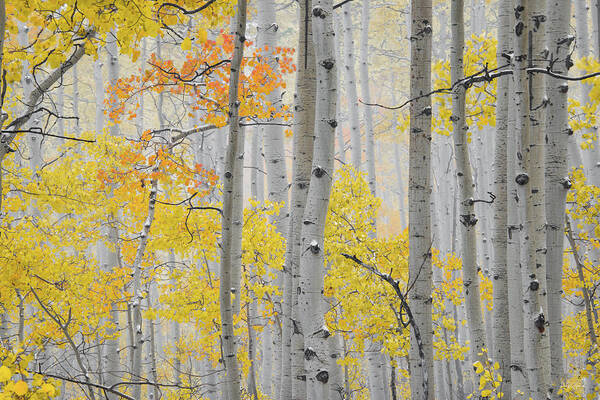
(20, 388)
(186, 45)
(202, 35)
(5, 373)
(48, 389)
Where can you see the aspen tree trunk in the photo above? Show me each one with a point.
(136, 303)
(557, 181)
(312, 268)
(226, 283)
(339, 131)
(419, 262)
(113, 363)
(375, 358)
(351, 94)
(277, 185)
(366, 97)
(528, 96)
(501, 322)
(467, 217)
(519, 384)
(304, 125)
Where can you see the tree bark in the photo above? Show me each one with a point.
(419, 192)
(501, 321)
(467, 217)
(304, 123)
(557, 181)
(312, 268)
(234, 146)
(351, 93)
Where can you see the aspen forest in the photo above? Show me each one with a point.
(299, 199)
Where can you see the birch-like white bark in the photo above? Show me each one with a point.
(467, 217)
(312, 268)
(136, 302)
(351, 93)
(532, 277)
(419, 192)
(366, 97)
(557, 180)
(304, 123)
(501, 335)
(519, 384)
(277, 189)
(234, 146)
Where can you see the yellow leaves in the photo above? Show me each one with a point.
(478, 367)
(186, 44)
(5, 373)
(20, 388)
(202, 35)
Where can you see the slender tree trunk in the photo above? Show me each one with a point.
(312, 268)
(501, 319)
(557, 181)
(467, 217)
(528, 92)
(229, 185)
(277, 185)
(351, 93)
(366, 97)
(519, 384)
(304, 123)
(419, 189)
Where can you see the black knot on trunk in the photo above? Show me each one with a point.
(323, 376)
(309, 353)
(319, 12)
(534, 285)
(566, 183)
(318, 171)
(564, 87)
(332, 123)
(540, 322)
(328, 64)
(522, 179)
(228, 175)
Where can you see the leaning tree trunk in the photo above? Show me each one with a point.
(304, 123)
(419, 192)
(467, 217)
(557, 181)
(312, 268)
(232, 383)
(501, 334)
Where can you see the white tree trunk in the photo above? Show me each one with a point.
(557, 181)
(304, 123)
(312, 268)
(351, 94)
(467, 216)
(228, 252)
(419, 192)
(366, 98)
(501, 335)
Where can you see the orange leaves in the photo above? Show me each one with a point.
(203, 77)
